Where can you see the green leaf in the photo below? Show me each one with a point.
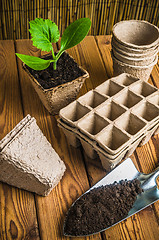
(34, 62)
(44, 32)
(75, 33)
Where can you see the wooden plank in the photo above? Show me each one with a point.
(15, 15)
(52, 209)
(95, 170)
(96, 173)
(149, 161)
(144, 224)
(104, 46)
(88, 55)
(155, 75)
(17, 207)
(92, 60)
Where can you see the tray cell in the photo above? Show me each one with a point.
(130, 123)
(92, 99)
(109, 88)
(143, 88)
(74, 112)
(125, 79)
(128, 99)
(92, 124)
(154, 99)
(112, 138)
(147, 111)
(110, 110)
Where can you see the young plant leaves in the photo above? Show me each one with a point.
(75, 33)
(34, 62)
(44, 32)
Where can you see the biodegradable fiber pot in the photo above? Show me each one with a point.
(133, 52)
(136, 61)
(134, 48)
(136, 34)
(59, 96)
(141, 72)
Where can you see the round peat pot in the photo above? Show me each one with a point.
(136, 34)
(61, 95)
(132, 60)
(141, 72)
(128, 52)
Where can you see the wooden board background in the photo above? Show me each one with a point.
(16, 14)
(25, 215)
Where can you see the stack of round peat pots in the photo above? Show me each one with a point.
(135, 45)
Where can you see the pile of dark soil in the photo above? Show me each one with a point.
(101, 207)
(66, 71)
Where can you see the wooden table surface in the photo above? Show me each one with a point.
(24, 215)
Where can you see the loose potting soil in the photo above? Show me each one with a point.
(66, 71)
(101, 207)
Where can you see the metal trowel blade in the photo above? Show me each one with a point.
(127, 170)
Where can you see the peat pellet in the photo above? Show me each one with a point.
(101, 207)
(27, 159)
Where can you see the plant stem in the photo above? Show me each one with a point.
(59, 54)
(54, 58)
(54, 65)
(53, 55)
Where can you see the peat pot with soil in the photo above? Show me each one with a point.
(56, 77)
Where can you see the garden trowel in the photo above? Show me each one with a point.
(127, 170)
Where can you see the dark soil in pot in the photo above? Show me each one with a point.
(66, 71)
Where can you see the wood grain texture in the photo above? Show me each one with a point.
(52, 209)
(17, 207)
(146, 160)
(104, 46)
(90, 58)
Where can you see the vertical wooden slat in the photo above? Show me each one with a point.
(138, 8)
(143, 225)
(133, 9)
(105, 19)
(141, 10)
(156, 14)
(3, 21)
(152, 11)
(148, 11)
(15, 14)
(17, 207)
(51, 209)
(112, 15)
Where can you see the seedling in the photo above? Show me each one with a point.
(44, 33)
